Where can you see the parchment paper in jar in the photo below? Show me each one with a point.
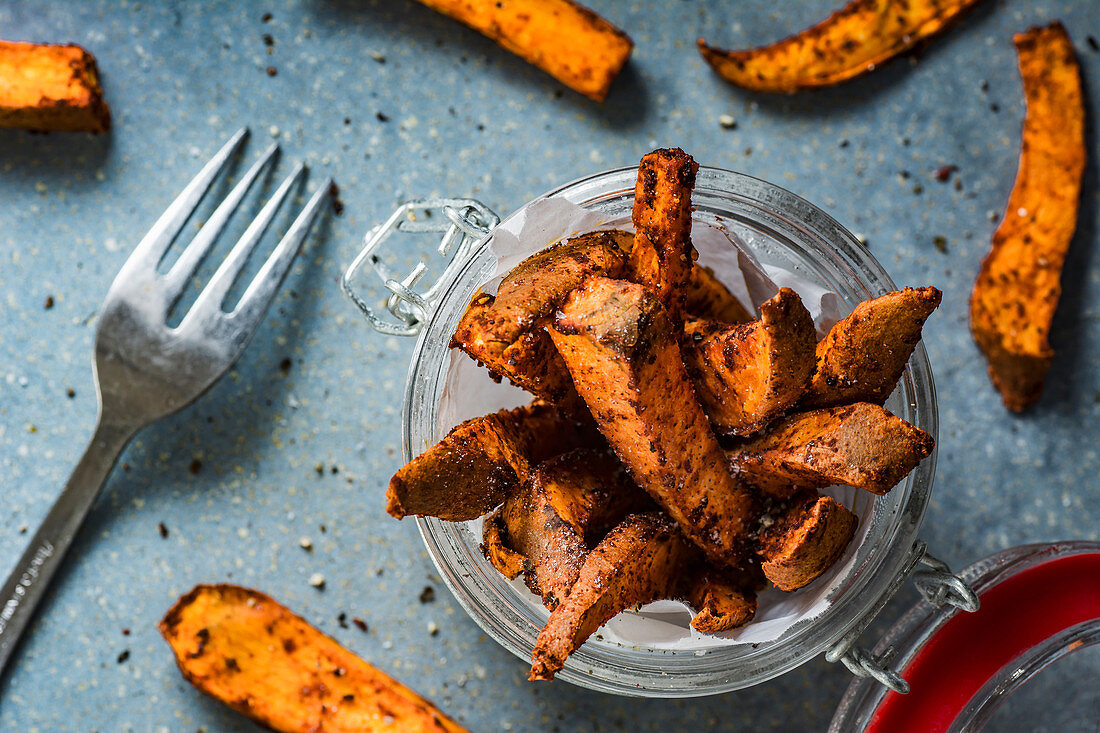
(468, 392)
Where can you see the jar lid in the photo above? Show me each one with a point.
(1038, 604)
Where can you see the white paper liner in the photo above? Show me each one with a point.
(469, 393)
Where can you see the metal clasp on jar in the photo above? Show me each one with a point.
(936, 583)
(465, 223)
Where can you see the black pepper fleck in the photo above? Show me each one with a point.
(195, 467)
(1092, 43)
(70, 393)
(271, 71)
(162, 530)
(266, 17)
(268, 40)
(124, 656)
(49, 302)
(285, 364)
(940, 243)
(844, 143)
(381, 117)
(360, 624)
(342, 620)
(427, 595)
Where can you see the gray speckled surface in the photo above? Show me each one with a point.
(464, 118)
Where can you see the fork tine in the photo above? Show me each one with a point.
(189, 260)
(257, 297)
(153, 245)
(211, 297)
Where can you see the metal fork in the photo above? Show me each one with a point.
(145, 369)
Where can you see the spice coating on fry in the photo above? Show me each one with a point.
(1017, 291)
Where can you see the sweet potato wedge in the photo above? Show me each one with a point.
(806, 541)
(747, 375)
(723, 599)
(493, 546)
(481, 461)
(640, 560)
(566, 40)
(242, 648)
(505, 332)
(1013, 302)
(50, 88)
(707, 299)
(663, 257)
(850, 42)
(861, 445)
(625, 362)
(862, 357)
(569, 503)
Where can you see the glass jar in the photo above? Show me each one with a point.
(1040, 604)
(783, 231)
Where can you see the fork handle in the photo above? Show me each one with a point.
(31, 577)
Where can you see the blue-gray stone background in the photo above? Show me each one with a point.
(397, 102)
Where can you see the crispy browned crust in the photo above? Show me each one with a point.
(566, 40)
(1017, 291)
(723, 600)
(640, 560)
(625, 362)
(850, 42)
(481, 461)
(564, 509)
(50, 88)
(505, 332)
(861, 445)
(863, 355)
(747, 375)
(663, 257)
(243, 649)
(806, 541)
(493, 546)
(707, 299)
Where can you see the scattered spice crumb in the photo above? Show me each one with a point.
(268, 40)
(379, 572)
(285, 364)
(943, 173)
(266, 18)
(378, 57)
(337, 204)
(918, 189)
(382, 117)
(323, 529)
(334, 470)
(195, 467)
(427, 595)
(317, 581)
(342, 620)
(125, 632)
(70, 392)
(985, 85)
(940, 243)
(1092, 43)
(125, 466)
(727, 122)
(360, 624)
(305, 544)
(32, 429)
(124, 656)
(271, 71)
(163, 530)
(433, 628)
(994, 108)
(49, 302)
(844, 143)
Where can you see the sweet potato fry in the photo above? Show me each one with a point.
(639, 561)
(625, 362)
(663, 257)
(806, 541)
(50, 88)
(853, 41)
(723, 599)
(242, 648)
(747, 375)
(566, 40)
(505, 332)
(509, 562)
(863, 355)
(861, 445)
(707, 299)
(481, 461)
(570, 501)
(1017, 291)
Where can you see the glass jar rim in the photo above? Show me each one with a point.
(776, 210)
